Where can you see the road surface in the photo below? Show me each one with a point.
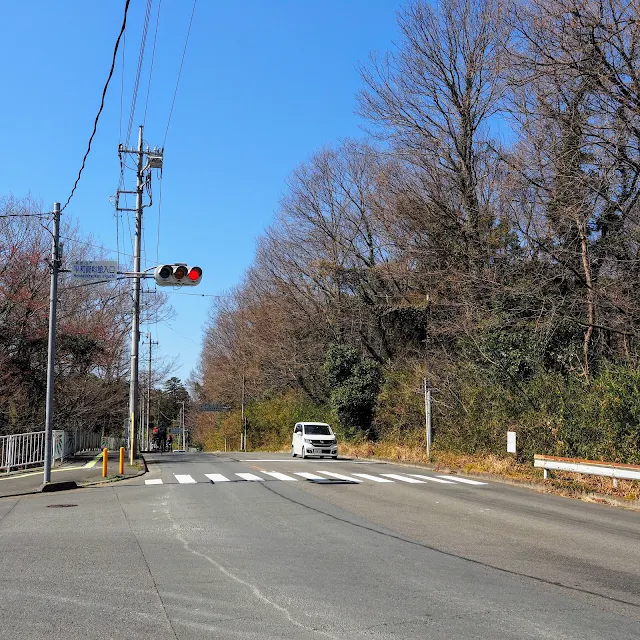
(259, 546)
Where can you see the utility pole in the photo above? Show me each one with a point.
(243, 426)
(135, 320)
(151, 342)
(154, 162)
(51, 345)
(427, 414)
(184, 439)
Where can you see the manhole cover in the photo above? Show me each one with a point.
(60, 506)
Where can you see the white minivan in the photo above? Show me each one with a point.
(314, 439)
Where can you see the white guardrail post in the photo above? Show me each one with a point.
(590, 467)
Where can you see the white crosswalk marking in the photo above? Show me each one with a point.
(465, 480)
(366, 476)
(308, 476)
(339, 476)
(217, 477)
(250, 477)
(280, 476)
(395, 476)
(431, 478)
(411, 478)
(184, 479)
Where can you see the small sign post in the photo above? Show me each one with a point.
(511, 441)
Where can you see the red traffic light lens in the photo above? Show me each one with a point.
(195, 273)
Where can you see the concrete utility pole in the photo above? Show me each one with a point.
(154, 162)
(184, 439)
(427, 414)
(151, 342)
(51, 345)
(135, 320)
(243, 426)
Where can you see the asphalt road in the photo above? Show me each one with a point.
(193, 549)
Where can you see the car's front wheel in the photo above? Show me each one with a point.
(304, 454)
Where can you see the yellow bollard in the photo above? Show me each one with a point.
(105, 459)
(121, 469)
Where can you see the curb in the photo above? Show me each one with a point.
(118, 478)
(72, 484)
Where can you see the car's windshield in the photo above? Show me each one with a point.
(317, 430)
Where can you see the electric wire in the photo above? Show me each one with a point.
(104, 93)
(184, 52)
(92, 245)
(124, 50)
(25, 215)
(153, 56)
(136, 84)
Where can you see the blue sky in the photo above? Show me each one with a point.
(265, 84)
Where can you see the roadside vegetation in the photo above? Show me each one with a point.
(484, 236)
(91, 377)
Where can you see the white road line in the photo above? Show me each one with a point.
(217, 477)
(250, 477)
(280, 476)
(308, 476)
(465, 480)
(374, 478)
(395, 476)
(155, 481)
(339, 476)
(417, 475)
(184, 478)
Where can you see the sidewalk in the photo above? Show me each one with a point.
(82, 470)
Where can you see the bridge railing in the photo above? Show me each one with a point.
(23, 450)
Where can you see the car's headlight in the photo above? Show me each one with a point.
(308, 441)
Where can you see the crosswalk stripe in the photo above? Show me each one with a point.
(374, 478)
(431, 478)
(339, 476)
(308, 476)
(250, 477)
(217, 477)
(465, 480)
(154, 481)
(184, 479)
(280, 476)
(395, 476)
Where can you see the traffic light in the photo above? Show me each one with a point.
(171, 275)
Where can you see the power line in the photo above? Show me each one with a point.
(95, 246)
(143, 43)
(184, 52)
(153, 55)
(104, 93)
(24, 215)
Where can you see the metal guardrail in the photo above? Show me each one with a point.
(22, 450)
(590, 467)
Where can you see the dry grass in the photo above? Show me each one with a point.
(591, 488)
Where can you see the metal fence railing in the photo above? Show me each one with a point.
(22, 450)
